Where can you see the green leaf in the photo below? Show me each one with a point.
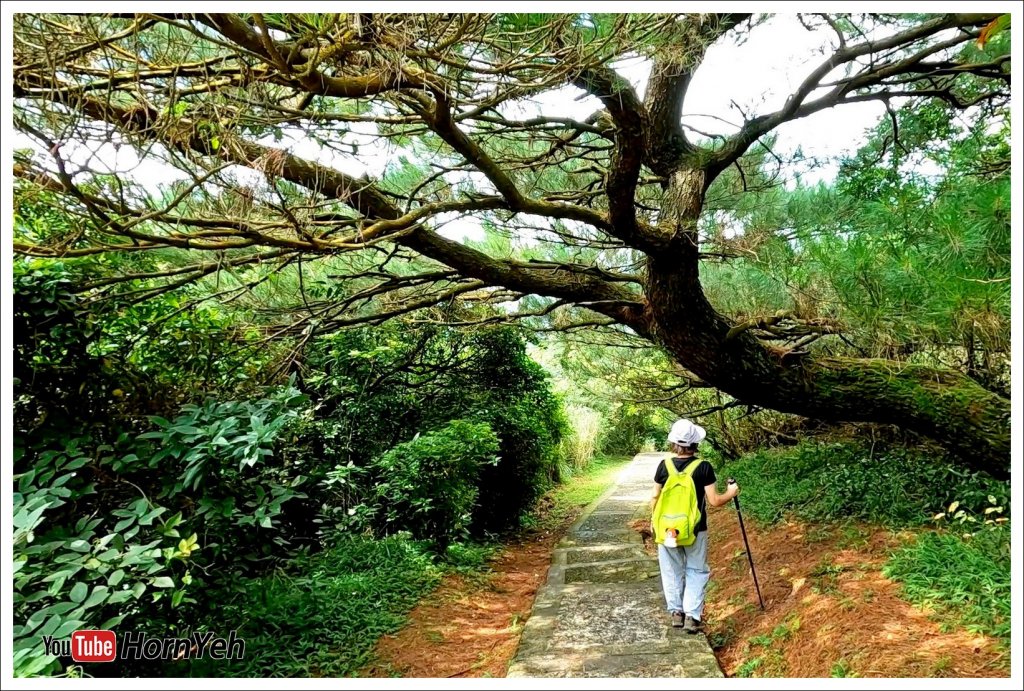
(98, 596)
(79, 592)
(163, 582)
(149, 517)
(119, 597)
(79, 546)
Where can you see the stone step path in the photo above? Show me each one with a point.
(601, 612)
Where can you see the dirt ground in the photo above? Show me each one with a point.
(828, 609)
(470, 626)
(829, 612)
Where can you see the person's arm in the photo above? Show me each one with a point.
(655, 495)
(715, 499)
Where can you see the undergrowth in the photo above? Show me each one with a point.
(967, 580)
(962, 576)
(322, 617)
(823, 482)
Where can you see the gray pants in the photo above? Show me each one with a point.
(684, 575)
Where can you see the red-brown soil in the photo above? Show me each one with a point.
(470, 625)
(829, 611)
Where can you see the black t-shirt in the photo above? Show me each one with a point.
(703, 475)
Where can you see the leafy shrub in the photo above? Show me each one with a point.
(530, 430)
(633, 428)
(367, 394)
(428, 486)
(375, 387)
(151, 473)
(322, 615)
(98, 526)
(218, 452)
(829, 481)
(74, 569)
(966, 579)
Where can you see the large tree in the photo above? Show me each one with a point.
(616, 200)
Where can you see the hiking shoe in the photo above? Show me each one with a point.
(677, 619)
(691, 625)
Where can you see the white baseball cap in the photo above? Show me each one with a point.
(685, 432)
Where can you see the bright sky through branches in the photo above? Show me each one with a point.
(754, 77)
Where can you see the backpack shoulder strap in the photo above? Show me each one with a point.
(670, 466)
(691, 467)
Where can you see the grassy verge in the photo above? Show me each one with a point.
(564, 502)
(965, 580)
(835, 482)
(322, 615)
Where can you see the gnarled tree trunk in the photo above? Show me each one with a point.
(945, 405)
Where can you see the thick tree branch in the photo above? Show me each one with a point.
(629, 115)
(602, 296)
(293, 67)
(665, 142)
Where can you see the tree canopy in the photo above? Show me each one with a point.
(626, 221)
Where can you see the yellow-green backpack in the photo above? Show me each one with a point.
(676, 507)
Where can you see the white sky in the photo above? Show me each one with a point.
(757, 76)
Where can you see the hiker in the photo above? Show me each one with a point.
(680, 524)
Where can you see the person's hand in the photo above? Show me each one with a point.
(734, 489)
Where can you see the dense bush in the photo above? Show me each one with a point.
(376, 388)
(79, 567)
(108, 523)
(150, 486)
(428, 486)
(99, 526)
(530, 430)
(829, 481)
(322, 615)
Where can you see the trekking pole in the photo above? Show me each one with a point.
(750, 557)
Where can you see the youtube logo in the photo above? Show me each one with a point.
(93, 646)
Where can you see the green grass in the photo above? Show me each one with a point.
(838, 488)
(466, 557)
(965, 581)
(832, 482)
(748, 667)
(842, 670)
(322, 616)
(825, 576)
(561, 503)
(782, 632)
